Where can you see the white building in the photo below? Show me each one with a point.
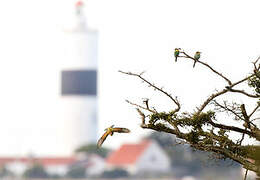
(96, 165)
(56, 109)
(78, 89)
(52, 165)
(147, 156)
(15, 165)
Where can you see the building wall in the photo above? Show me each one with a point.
(153, 159)
(16, 167)
(57, 169)
(131, 169)
(80, 50)
(78, 104)
(96, 167)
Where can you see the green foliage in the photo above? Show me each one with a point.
(158, 116)
(116, 173)
(208, 141)
(254, 82)
(92, 149)
(36, 171)
(197, 120)
(76, 172)
(193, 137)
(252, 152)
(161, 127)
(189, 161)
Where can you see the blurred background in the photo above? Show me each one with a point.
(60, 85)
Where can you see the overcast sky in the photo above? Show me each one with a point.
(134, 35)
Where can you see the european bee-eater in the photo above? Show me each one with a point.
(110, 131)
(196, 57)
(176, 53)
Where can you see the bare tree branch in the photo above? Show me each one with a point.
(139, 106)
(245, 174)
(155, 87)
(213, 96)
(255, 109)
(193, 127)
(228, 88)
(232, 128)
(227, 109)
(242, 80)
(208, 66)
(245, 93)
(142, 116)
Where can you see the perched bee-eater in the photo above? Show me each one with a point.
(196, 57)
(176, 53)
(110, 131)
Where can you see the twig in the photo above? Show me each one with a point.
(213, 96)
(232, 128)
(228, 88)
(242, 80)
(242, 138)
(145, 101)
(142, 116)
(155, 87)
(256, 68)
(139, 106)
(205, 64)
(243, 92)
(245, 174)
(254, 110)
(227, 109)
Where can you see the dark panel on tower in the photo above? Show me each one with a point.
(79, 82)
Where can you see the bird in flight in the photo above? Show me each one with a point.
(110, 131)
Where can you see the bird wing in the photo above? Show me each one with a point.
(102, 139)
(120, 130)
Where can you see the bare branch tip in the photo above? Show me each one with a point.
(141, 73)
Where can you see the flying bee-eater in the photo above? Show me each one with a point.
(110, 131)
(196, 57)
(176, 53)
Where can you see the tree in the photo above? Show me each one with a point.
(36, 171)
(76, 171)
(186, 161)
(116, 173)
(92, 149)
(203, 129)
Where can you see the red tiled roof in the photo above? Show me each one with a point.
(127, 153)
(45, 161)
(55, 161)
(4, 160)
(79, 3)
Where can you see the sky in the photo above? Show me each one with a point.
(136, 36)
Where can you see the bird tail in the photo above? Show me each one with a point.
(176, 59)
(194, 63)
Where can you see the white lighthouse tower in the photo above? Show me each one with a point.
(78, 87)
